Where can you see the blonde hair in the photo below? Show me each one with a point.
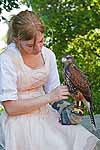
(24, 26)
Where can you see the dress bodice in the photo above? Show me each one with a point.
(30, 81)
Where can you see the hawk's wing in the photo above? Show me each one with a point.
(79, 80)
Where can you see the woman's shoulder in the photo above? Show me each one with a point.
(48, 52)
(5, 61)
(3, 55)
(7, 52)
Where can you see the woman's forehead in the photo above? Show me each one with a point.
(29, 41)
(39, 37)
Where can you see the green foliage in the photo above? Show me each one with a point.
(1, 109)
(8, 4)
(68, 18)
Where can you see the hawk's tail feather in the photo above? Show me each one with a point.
(90, 110)
(92, 119)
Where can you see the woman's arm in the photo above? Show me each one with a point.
(53, 80)
(20, 107)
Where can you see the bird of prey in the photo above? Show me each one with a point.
(78, 86)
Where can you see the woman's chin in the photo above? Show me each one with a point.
(33, 53)
(36, 53)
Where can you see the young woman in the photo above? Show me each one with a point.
(29, 81)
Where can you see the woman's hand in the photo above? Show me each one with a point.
(59, 93)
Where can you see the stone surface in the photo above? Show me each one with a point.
(86, 123)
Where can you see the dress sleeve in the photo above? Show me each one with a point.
(53, 80)
(8, 79)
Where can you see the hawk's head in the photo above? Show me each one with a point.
(67, 59)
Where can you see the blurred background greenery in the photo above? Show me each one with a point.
(72, 27)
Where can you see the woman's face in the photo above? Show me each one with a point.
(28, 47)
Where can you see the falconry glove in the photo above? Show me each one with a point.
(67, 114)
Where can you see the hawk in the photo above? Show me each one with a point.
(78, 86)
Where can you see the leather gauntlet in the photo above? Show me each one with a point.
(68, 113)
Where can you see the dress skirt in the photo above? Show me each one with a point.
(42, 131)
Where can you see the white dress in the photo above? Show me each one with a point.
(39, 130)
